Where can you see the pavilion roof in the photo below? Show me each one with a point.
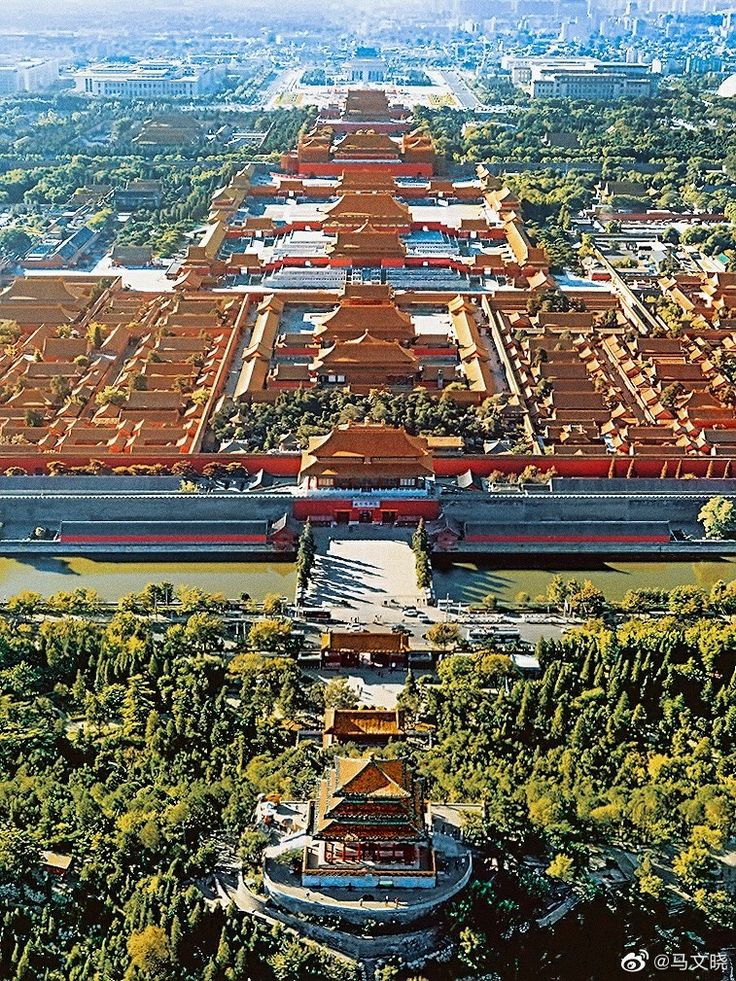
(370, 442)
(379, 208)
(366, 351)
(367, 141)
(365, 641)
(367, 179)
(368, 241)
(370, 799)
(367, 102)
(356, 723)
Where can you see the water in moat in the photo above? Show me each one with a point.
(469, 581)
(115, 579)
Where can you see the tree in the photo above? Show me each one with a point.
(305, 555)
(474, 949)
(717, 905)
(421, 548)
(25, 603)
(204, 632)
(291, 961)
(14, 241)
(687, 600)
(561, 867)
(273, 636)
(588, 601)
(19, 857)
(273, 603)
(444, 635)
(192, 600)
(339, 694)
(252, 844)
(717, 517)
(150, 951)
(649, 882)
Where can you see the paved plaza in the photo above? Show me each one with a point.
(362, 576)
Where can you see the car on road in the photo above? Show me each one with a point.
(410, 611)
(399, 628)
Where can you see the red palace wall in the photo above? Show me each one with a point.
(288, 464)
(172, 539)
(569, 539)
(600, 466)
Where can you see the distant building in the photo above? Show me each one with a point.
(727, 89)
(703, 65)
(139, 195)
(562, 140)
(30, 75)
(65, 253)
(132, 256)
(366, 66)
(149, 80)
(170, 129)
(581, 78)
(604, 82)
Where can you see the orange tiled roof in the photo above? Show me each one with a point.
(368, 241)
(377, 209)
(366, 144)
(365, 179)
(370, 799)
(365, 642)
(367, 351)
(355, 723)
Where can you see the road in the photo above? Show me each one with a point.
(459, 87)
(284, 82)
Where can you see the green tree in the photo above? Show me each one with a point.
(273, 636)
(717, 518)
(444, 635)
(150, 951)
(339, 694)
(561, 867)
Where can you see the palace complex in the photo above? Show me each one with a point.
(359, 265)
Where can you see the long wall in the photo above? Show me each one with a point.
(287, 464)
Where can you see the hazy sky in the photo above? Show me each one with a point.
(140, 19)
(36, 12)
(45, 14)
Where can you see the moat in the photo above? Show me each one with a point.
(463, 580)
(115, 579)
(470, 581)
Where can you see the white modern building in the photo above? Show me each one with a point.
(31, 75)
(581, 78)
(149, 80)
